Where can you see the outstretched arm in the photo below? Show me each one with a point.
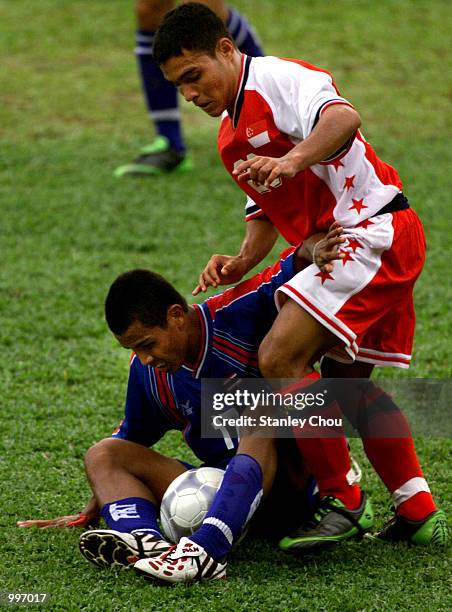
(259, 239)
(322, 249)
(88, 516)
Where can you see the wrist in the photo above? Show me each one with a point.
(298, 159)
(303, 252)
(246, 261)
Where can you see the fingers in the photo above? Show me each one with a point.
(210, 278)
(332, 243)
(327, 250)
(274, 174)
(243, 167)
(335, 230)
(335, 225)
(331, 251)
(245, 176)
(327, 256)
(263, 171)
(212, 270)
(210, 275)
(201, 286)
(326, 268)
(266, 170)
(257, 169)
(334, 233)
(326, 262)
(228, 268)
(217, 272)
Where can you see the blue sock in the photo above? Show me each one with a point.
(160, 94)
(131, 514)
(243, 34)
(233, 505)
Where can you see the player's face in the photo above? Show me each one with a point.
(209, 82)
(165, 348)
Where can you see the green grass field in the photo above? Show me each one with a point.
(71, 111)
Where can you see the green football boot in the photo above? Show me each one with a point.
(156, 159)
(431, 531)
(332, 523)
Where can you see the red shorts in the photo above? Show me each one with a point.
(367, 301)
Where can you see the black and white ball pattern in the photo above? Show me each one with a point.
(187, 500)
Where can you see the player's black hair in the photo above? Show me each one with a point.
(191, 26)
(140, 295)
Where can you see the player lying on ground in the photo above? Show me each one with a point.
(167, 153)
(174, 346)
(292, 143)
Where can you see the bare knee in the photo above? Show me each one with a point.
(151, 12)
(268, 359)
(275, 361)
(102, 454)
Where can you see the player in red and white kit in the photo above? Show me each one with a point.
(293, 144)
(278, 105)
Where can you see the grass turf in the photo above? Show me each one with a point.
(71, 112)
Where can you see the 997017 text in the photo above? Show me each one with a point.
(23, 598)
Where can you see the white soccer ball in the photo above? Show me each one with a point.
(187, 500)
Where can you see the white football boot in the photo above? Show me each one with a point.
(109, 548)
(186, 562)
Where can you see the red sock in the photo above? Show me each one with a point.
(328, 461)
(326, 457)
(418, 507)
(395, 461)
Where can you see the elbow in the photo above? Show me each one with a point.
(350, 119)
(355, 120)
(344, 118)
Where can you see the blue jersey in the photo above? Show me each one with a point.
(233, 324)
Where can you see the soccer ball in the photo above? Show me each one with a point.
(187, 500)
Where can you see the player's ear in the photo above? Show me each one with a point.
(175, 315)
(225, 47)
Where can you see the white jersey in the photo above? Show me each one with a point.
(278, 104)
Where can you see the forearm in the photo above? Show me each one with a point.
(335, 127)
(88, 516)
(260, 237)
